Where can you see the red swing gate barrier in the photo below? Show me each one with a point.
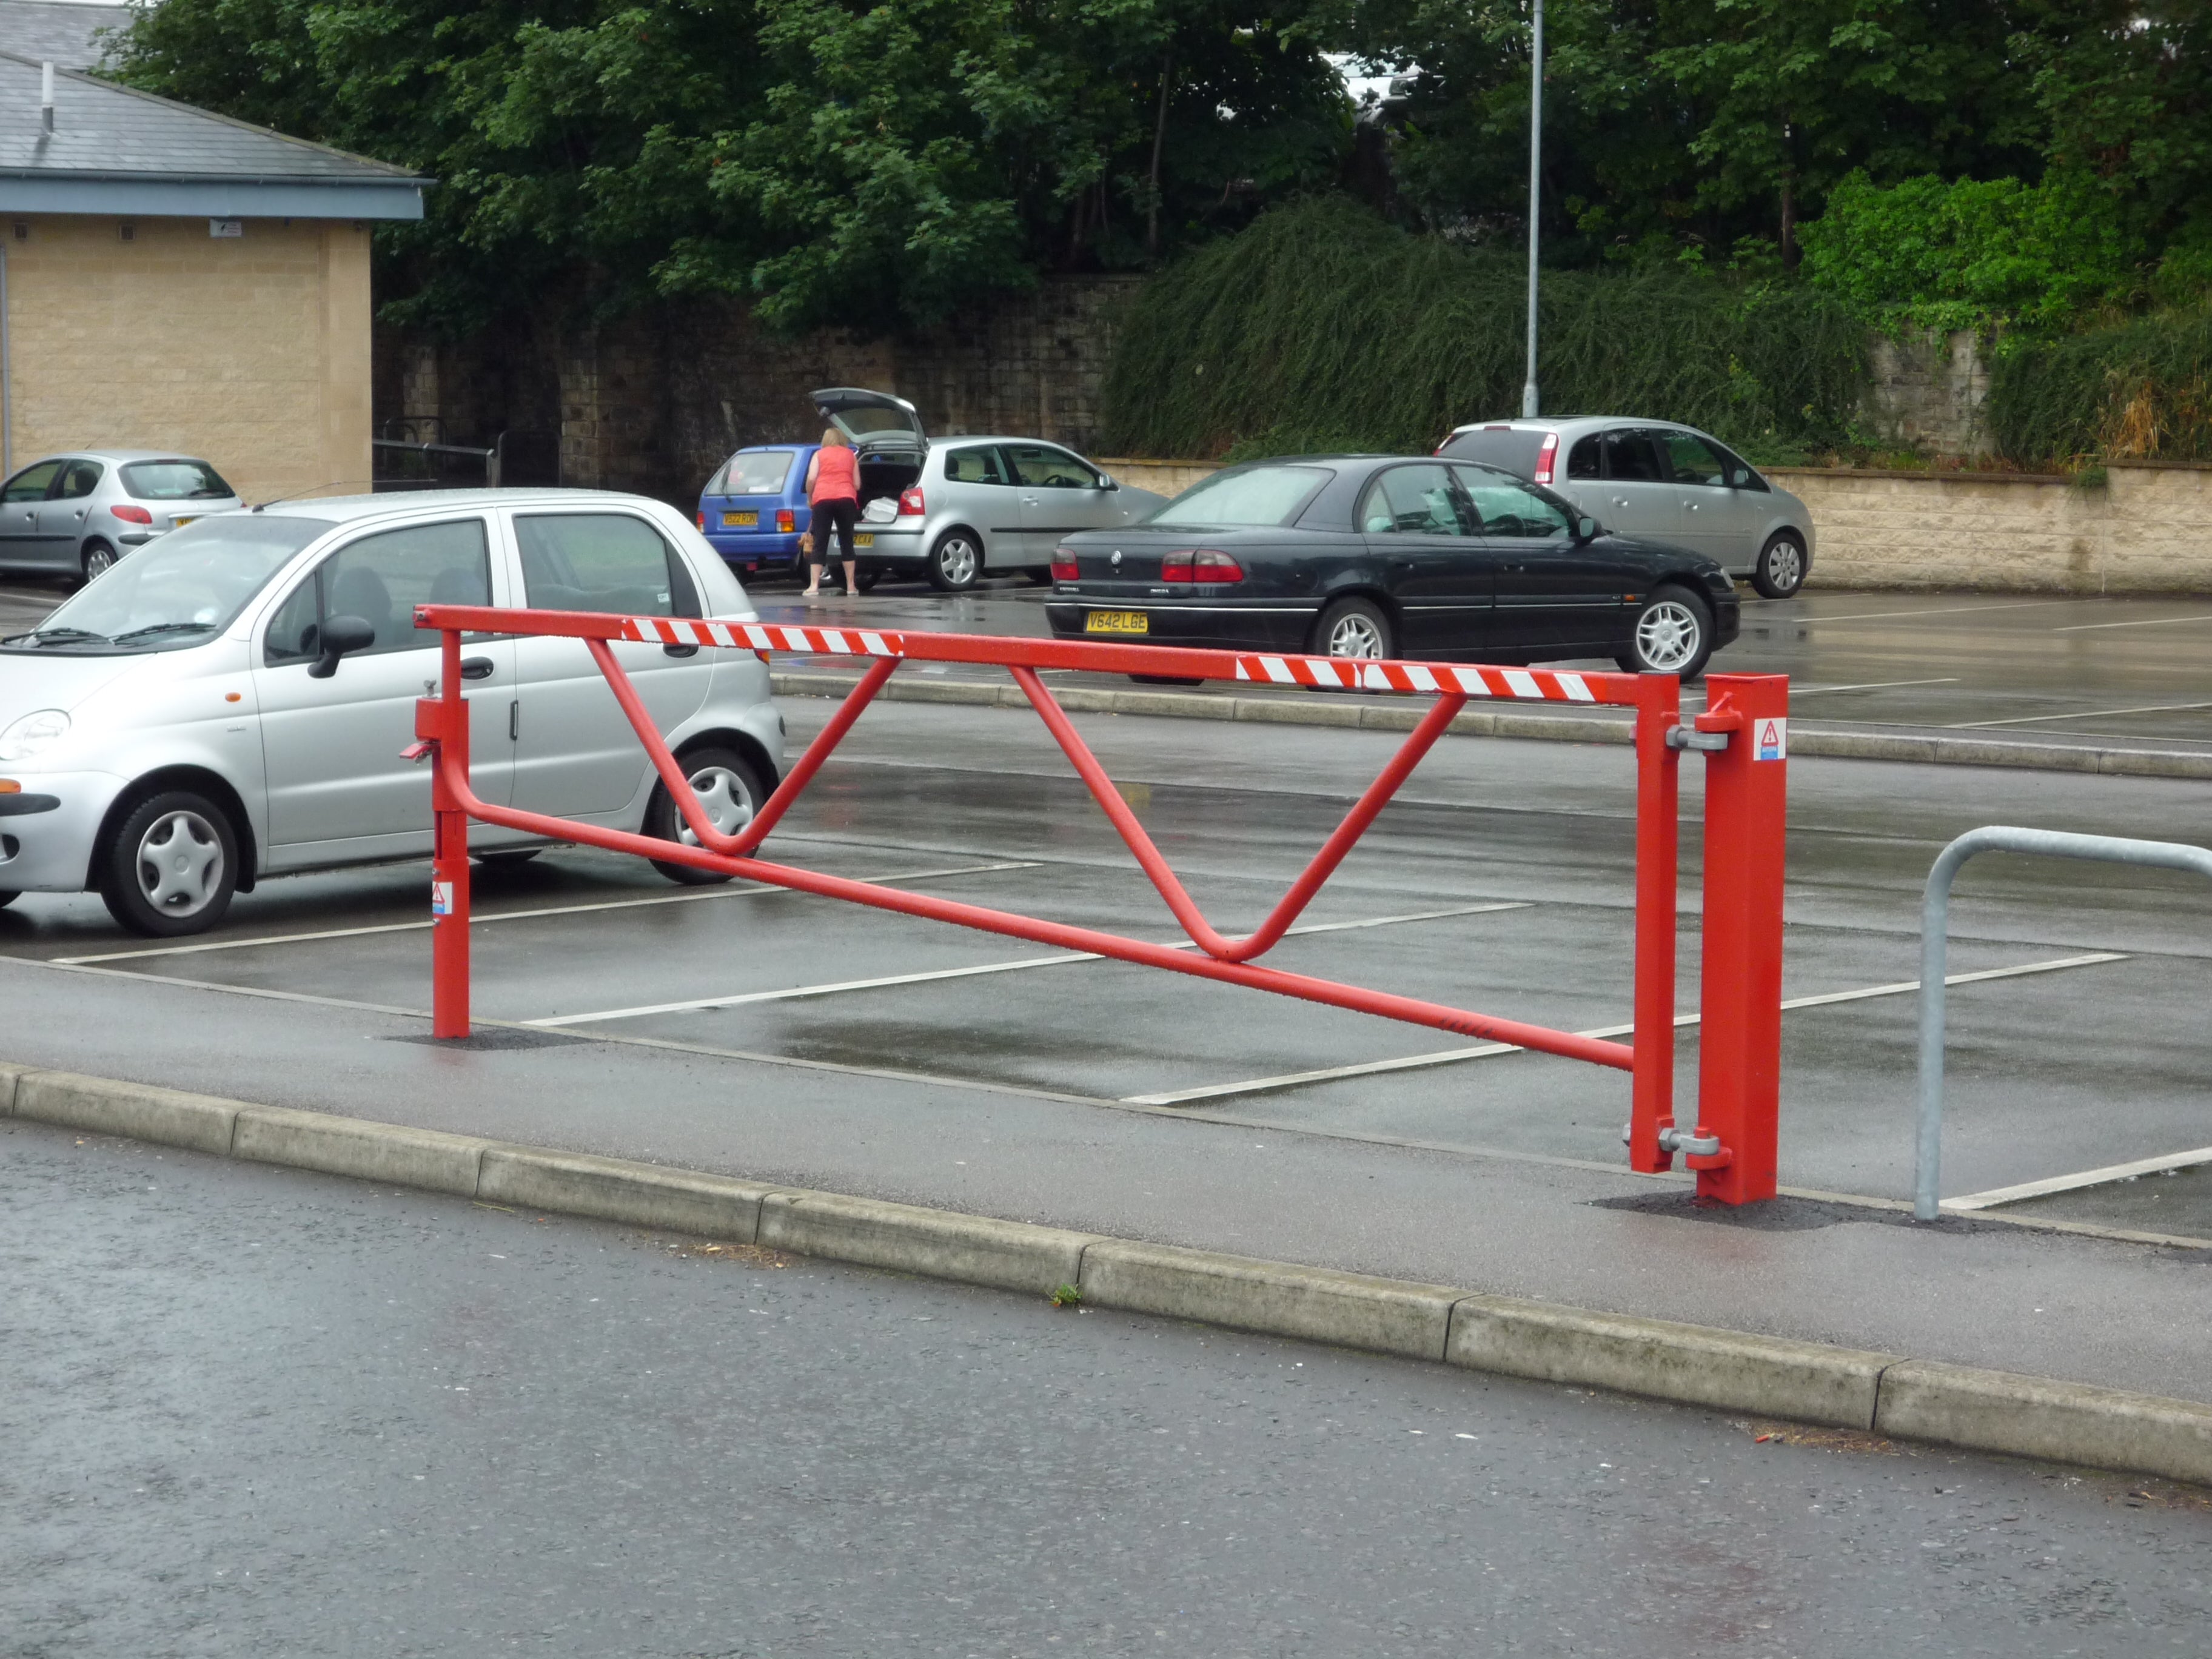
(1743, 736)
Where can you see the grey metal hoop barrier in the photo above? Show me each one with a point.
(1935, 940)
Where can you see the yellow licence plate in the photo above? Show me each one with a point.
(182, 519)
(739, 521)
(1117, 621)
(864, 539)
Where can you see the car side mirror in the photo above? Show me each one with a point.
(1108, 481)
(340, 635)
(1585, 529)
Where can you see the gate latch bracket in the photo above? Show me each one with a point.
(1684, 736)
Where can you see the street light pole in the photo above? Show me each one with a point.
(1535, 193)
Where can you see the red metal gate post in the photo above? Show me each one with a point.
(443, 723)
(1658, 779)
(1739, 1047)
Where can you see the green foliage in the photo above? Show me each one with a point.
(1975, 253)
(2142, 389)
(1697, 122)
(1322, 327)
(865, 164)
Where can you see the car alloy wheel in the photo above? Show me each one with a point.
(1670, 637)
(729, 791)
(1780, 571)
(98, 560)
(180, 864)
(955, 562)
(725, 798)
(1354, 633)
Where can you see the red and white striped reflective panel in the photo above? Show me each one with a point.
(1345, 673)
(763, 636)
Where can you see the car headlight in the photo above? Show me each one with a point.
(34, 733)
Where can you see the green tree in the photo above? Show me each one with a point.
(876, 164)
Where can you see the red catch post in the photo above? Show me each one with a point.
(443, 721)
(1740, 1046)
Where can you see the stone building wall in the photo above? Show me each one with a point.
(251, 352)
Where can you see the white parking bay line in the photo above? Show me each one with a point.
(793, 992)
(2147, 622)
(1483, 1051)
(2085, 715)
(2066, 1183)
(1871, 685)
(747, 891)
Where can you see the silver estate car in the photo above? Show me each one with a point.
(1660, 480)
(956, 509)
(230, 702)
(79, 513)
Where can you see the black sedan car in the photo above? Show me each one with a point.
(1383, 555)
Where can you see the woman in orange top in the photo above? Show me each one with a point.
(833, 486)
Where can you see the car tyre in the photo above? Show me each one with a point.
(509, 858)
(97, 560)
(727, 786)
(864, 579)
(173, 865)
(7, 896)
(957, 562)
(1354, 628)
(1782, 564)
(1673, 635)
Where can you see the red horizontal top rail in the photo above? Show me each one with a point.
(1094, 656)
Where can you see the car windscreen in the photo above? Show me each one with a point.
(1262, 497)
(1514, 451)
(173, 481)
(180, 591)
(758, 473)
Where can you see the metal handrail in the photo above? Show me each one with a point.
(1935, 943)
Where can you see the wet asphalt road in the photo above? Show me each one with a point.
(253, 1412)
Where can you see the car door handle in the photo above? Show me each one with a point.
(476, 668)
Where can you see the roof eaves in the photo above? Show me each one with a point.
(388, 168)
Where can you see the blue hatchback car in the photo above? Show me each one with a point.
(754, 507)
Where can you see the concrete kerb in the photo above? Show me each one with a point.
(1689, 1364)
(1321, 710)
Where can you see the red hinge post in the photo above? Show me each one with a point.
(1740, 1044)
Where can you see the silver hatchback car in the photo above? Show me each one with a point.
(78, 513)
(956, 509)
(1660, 480)
(231, 703)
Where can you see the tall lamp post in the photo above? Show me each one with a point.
(1535, 193)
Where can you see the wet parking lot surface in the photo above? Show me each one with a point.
(1500, 884)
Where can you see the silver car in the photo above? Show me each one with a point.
(77, 513)
(956, 509)
(230, 702)
(1660, 480)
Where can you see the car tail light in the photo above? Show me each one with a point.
(1203, 566)
(910, 505)
(1546, 456)
(787, 520)
(131, 515)
(1063, 565)
(703, 520)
